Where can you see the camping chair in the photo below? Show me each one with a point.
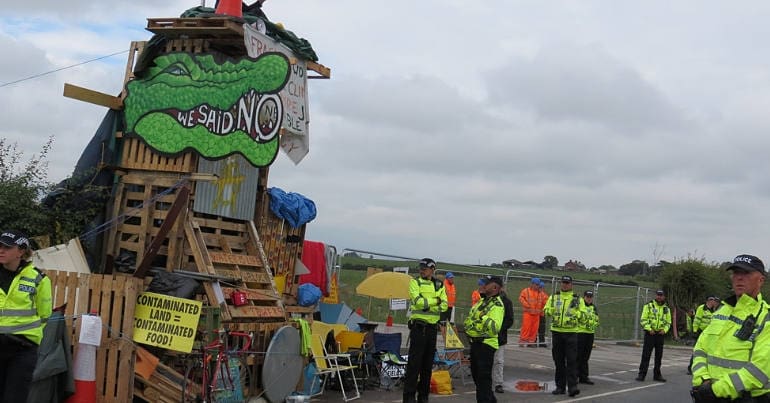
(333, 365)
(352, 343)
(387, 355)
(455, 362)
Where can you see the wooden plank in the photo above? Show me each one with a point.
(323, 71)
(252, 294)
(91, 96)
(230, 258)
(182, 199)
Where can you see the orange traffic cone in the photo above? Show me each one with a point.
(233, 8)
(85, 375)
(389, 321)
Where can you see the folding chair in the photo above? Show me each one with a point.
(387, 355)
(332, 365)
(455, 362)
(352, 343)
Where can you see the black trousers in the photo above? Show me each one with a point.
(482, 359)
(564, 352)
(422, 348)
(651, 341)
(541, 332)
(17, 363)
(585, 344)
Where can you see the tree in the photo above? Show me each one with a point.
(634, 268)
(550, 262)
(21, 187)
(688, 282)
(27, 204)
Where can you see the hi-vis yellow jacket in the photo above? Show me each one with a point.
(590, 319)
(655, 317)
(702, 318)
(26, 306)
(427, 298)
(566, 311)
(485, 319)
(734, 365)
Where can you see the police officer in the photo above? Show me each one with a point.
(731, 355)
(428, 300)
(702, 319)
(656, 321)
(482, 327)
(565, 309)
(585, 336)
(25, 304)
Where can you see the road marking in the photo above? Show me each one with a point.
(577, 399)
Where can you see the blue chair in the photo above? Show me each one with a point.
(386, 353)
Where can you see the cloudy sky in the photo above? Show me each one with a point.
(475, 132)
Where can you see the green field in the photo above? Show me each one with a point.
(615, 298)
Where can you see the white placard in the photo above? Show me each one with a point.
(295, 141)
(90, 330)
(399, 304)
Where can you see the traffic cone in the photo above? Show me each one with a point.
(84, 373)
(233, 8)
(389, 321)
(84, 366)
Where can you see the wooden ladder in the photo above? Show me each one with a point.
(232, 249)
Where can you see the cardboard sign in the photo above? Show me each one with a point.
(451, 340)
(167, 322)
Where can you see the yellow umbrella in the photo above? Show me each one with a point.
(385, 285)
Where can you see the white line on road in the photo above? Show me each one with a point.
(577, 399)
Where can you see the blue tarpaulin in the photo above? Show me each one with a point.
(292, 207)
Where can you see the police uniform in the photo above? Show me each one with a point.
(656, 319)
(25, 305)
(482, 326)
(428, 300)
(585, 334)
(731, 356)
(566, 312)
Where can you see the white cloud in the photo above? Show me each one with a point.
(589, 130)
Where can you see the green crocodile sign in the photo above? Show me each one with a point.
(216, 108)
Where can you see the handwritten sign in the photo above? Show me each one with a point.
(295, 141)
(167, 322)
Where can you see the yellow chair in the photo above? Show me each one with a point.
(347, 339)
(332, 365)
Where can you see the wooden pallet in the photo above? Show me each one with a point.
(141, 218)
(113, 298)
(231, 248)
(213, 27)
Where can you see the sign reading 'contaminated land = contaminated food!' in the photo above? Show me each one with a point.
(167, 322)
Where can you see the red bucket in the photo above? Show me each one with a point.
(239, 298)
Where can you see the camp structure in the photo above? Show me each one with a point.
(208, 102)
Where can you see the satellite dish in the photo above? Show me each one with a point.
(283, 364)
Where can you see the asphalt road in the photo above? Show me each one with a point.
(613, 368)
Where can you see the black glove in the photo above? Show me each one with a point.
(704, 394)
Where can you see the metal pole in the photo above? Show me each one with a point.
(636, 321)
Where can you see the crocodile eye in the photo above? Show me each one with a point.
(177, 70)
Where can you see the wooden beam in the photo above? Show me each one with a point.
(179, 203)
(91, 96)
(319, 68)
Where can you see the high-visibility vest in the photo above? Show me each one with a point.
(732, 364)
(529, 299)
(26, 305)
(475, 297)
(566, 311)
(485, 319)
(590, 319)
(702, 318)
(451, 293)
(428, 299)
(656, 317)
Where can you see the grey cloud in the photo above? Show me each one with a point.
(583, 83)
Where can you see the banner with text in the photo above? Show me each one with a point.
(295, 138)
(167, 322)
